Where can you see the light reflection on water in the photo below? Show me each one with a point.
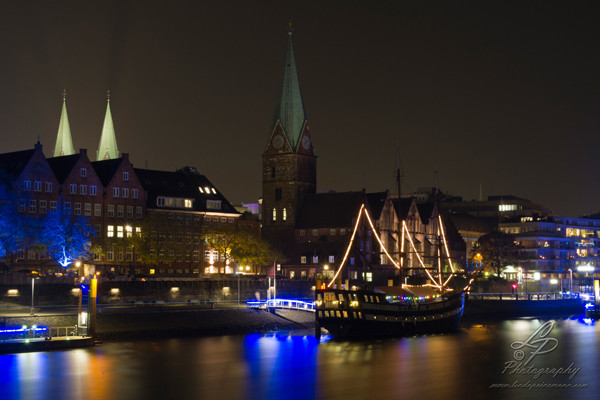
(293, 365)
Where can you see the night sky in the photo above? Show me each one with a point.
(503, 94)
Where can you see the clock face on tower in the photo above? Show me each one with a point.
(278, 141)
(306, 142)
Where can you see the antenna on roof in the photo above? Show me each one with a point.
(398, 169)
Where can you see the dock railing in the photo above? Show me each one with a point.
(283, 304)
(524, 296)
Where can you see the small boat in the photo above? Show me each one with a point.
(390, 311)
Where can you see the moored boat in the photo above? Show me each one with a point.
(372, 311)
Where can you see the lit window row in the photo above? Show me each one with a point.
(206, 190)
(174, 202)
(37, 186)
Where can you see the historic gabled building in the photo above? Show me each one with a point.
(31, 187)
(80, 190)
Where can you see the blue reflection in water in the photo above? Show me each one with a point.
(281, 365)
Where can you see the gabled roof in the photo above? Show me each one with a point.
(402, 207)
(12, 164)
(331, 210)
(290, 107)
(62, 166)
(184, 183)
(106, 169)
(425, 211)
(64, 141)
(107, 148)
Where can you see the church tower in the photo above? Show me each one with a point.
(289, 162)
(64, 142)
(107, 148)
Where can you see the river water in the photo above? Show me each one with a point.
(470, 364)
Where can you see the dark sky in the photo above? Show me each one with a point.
(503, 94)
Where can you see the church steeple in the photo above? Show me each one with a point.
(289, 161)
(107, 148)
(64, 142)
(289, 110)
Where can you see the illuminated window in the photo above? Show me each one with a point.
(188, 203)
(120, 231)
(303, 260)
(507, 207)
(285, 214)
(315, 259)
(138, 231)
(331, 259)
(129, 230)
(274, 214)
(110, 231)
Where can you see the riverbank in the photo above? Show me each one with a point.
(135, 324)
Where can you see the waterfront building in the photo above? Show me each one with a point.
(555, 249)
(145, 222)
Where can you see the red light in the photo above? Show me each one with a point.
(514, 285)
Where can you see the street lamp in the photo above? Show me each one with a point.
(33, 278)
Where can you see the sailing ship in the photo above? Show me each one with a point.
(370, 311)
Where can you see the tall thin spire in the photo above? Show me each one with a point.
(64, 142)
(107, 148)
(290, 108)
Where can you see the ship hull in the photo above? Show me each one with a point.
(376, 319)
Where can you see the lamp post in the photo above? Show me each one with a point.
(570, 281)
(32, 291)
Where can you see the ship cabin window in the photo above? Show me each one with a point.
(377, 298)
(319, 297)
(345, 313)
(366, 298)
(340, 297)
(371, 299)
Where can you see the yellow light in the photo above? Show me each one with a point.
(354, 303)
(326, 267)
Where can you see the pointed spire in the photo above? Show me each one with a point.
(64, 142)
(290, 108)
(107, 148)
